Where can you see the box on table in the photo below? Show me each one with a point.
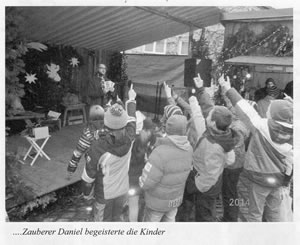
(40, 132)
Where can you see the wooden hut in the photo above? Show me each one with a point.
(263, 44)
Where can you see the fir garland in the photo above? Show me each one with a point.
(274, 40)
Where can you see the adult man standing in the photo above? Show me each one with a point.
(100, 89)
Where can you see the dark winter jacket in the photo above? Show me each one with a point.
(140, 151)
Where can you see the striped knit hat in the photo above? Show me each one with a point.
(169, 111)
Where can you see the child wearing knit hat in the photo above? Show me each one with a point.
(232, 172)
(268, 165)
(108, 161)
(165, 173)
(212, 152)
(169, 110)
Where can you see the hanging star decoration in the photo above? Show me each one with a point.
(52, 72)
(30, 78)
(74, 61)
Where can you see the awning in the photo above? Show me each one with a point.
(111, 27)
(259, 60)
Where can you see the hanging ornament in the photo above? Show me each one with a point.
(74, 61)
(52, 72)
(30, 78)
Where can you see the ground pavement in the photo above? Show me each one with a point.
(76, 209)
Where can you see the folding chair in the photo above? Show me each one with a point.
(41, 133)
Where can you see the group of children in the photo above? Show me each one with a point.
(200, 152)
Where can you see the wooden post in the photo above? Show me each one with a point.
(190, 53)
(125, 94)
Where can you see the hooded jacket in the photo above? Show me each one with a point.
(165, 173)
(214, 150)
(263, 104)
(270, 152)
(108, 160)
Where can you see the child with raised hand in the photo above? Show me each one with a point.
(169, 110)
(212, 152)
(108, 161)
(268, 164)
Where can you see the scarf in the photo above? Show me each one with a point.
(227, 139)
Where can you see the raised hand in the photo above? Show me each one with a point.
(109, 102)
(131, 93)
(288, 98)
(174, 95)
(168, 90)
(225, 85)
(198, 81)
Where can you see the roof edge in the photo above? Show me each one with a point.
(261, 60)
(275, 14)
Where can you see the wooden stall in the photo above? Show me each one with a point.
(261, 68)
